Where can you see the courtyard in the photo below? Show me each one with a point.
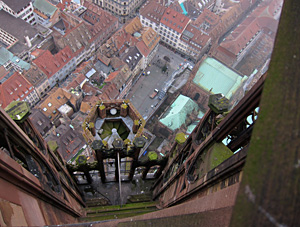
(154, 78)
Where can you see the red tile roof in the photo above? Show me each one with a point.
(122, 40)
(110, 92)
(101, 20)
(84, 67)
(133, 26)
(241, 36)
(112, 76)
(105, 60)
(174, 20)
(55, 98)
(143, 48)
(50, 64)
(275, 7)
(96, 14)
(60, 6)
(261, 17)
(116, 63)
(207, 17)
(150, 37)
(37, 52)
(64, 4)
(15, 88)
(75, 82)
(199, 38)
(88, 102)
(153, 11)
(267, 22)
(3, 71)
(89, 89)
(77, 38)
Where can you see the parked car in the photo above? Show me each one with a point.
(155, 92)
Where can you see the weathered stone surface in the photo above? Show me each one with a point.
(218, 103)
(118, 144)
(139, 142)
(97, 145)
(269, 194)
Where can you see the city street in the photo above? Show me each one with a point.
(144, 87)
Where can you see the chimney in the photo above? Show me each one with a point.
(28, 41)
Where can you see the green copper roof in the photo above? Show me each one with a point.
(191, 127)
(5, 55)
(200, 114)
(45, 7)
(22, 64)
(177, 112)
(215, 77)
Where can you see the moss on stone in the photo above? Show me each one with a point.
(218, 153)
(101, 107)
(104, 143)
(81, 160)
(139, 142)
(180, 138)
(18, 111)
(52, 145)
(152, 156)
(127, 141)
(218, 103)
(124, 106)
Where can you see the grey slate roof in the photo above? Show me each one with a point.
(16, 27)
(16, 5)
(132, 57)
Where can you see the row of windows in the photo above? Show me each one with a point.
(253, 37)
(174, 24)
(125, 6)
(27, 12)
(181, 45)
(28, 17)
(169, 36)
(164, 26)
(6, 37)
(169, 41)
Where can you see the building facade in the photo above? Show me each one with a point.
(102, 24)
(19, 9)
(35, 183)
(45, 13)
(175, 29)
(57, 66)
(38, 79)
(17, 88)
(122, 8)
(79, 40)
(17, 36)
